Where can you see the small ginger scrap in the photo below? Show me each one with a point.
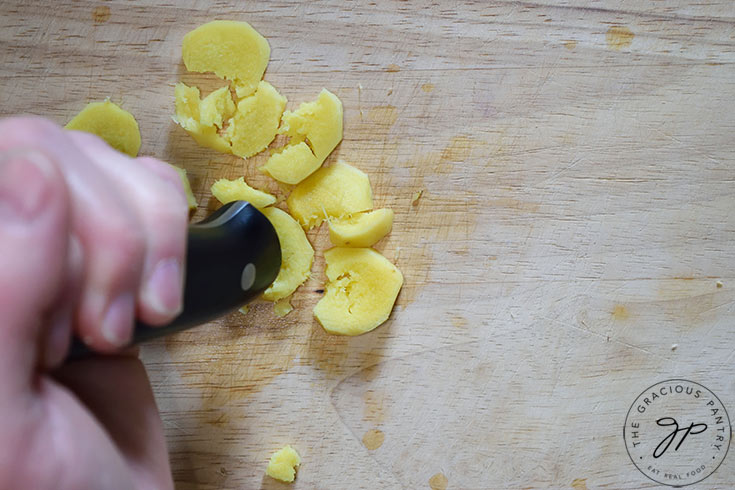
(188, 116)
(331, 192)
(238, 190)
(282, 307)
(110, 122)
(282, 465)
(216, 108)
(361, 289)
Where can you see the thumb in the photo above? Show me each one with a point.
(33, 249)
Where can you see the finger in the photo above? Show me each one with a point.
(55, 442)
(61, 319)
(154, 190)
(109, 233)
(34, 224)
(117, 391)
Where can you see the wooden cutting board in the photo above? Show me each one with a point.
(573, 244)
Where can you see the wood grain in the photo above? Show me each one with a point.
(577, 165)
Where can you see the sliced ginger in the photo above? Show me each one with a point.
(231, 50)
(187, 105)
(282, 465)
(255, 122)
(320, 122)
(335, 191)
(315, 129)
(238, 190)
(362, 284)
(282, 307)
(235, 52)
(361, 288)
(296, 255)
(111, 123)
(362, 229)
(292, 164)
(251, 124)
(188, 116)
(216, 108)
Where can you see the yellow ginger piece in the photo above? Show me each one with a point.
(297, 255)
(111, 123)
(238, 190)
(331, 192)
(231, 50)
(315, 129)
(283, 464)
(216, 108)
(362, 229)
(362, 287)
(282, 307)
(188, 115)
(255, 122)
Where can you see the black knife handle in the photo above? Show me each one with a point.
(232, 257)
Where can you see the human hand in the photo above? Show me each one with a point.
(89, 240)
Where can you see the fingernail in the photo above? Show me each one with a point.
(117, 324)
(24, 184)
(57, 339)
(163, 290)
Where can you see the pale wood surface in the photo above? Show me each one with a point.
(577, 215)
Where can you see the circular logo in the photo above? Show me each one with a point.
(677, 432)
